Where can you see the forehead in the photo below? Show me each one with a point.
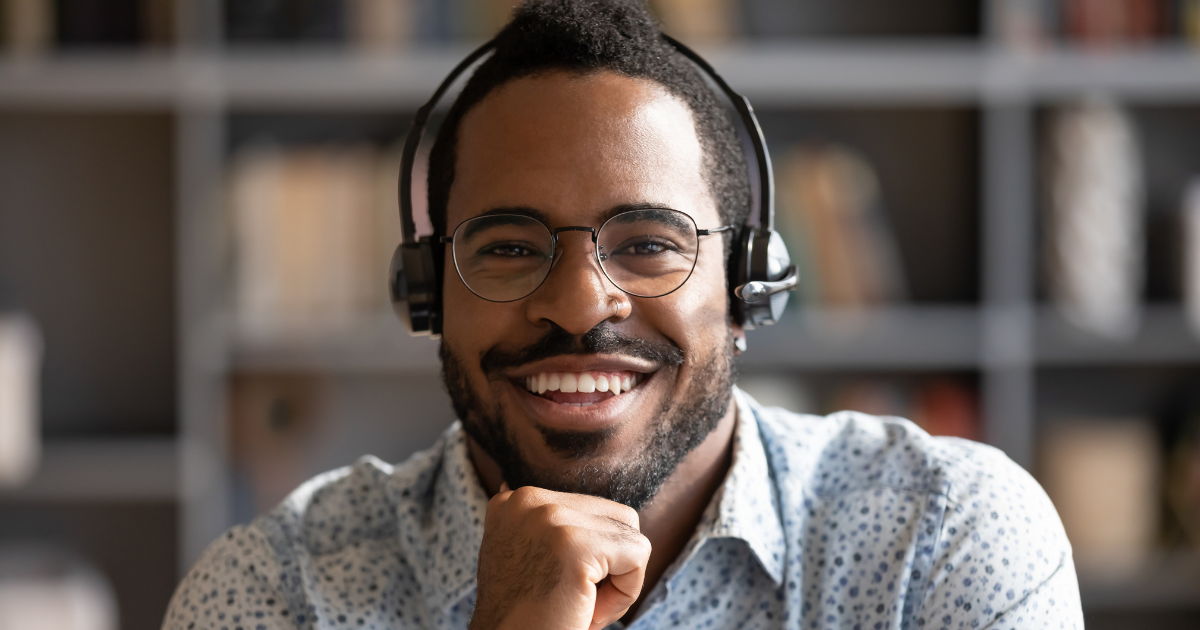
(573, 147)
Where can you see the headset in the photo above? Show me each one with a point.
(760, 270)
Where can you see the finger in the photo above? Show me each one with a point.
(623, 557)
(531, 496)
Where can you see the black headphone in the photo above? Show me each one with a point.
(760, 271)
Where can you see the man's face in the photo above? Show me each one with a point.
(573, 150)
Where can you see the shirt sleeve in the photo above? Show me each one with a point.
(236, 583)
(1054, 604)
(1001, 557)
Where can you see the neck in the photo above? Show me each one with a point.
(672, 516)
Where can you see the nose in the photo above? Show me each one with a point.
(576, 295)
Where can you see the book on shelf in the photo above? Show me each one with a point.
(831, 217)
(1031, 24)
(275, 431)
(945, 406)
(28, 26)
(1094, 250)
(313, 234)
(1183, 481)
(20, 420)
(279, 21)
(1107, 22)
(1103, 475)
(380, 25)
(98, 22)
(698, 21)
(940, 405)
(1025, 24)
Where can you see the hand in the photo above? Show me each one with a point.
(556, 560)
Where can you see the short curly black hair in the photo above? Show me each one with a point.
(586, 36)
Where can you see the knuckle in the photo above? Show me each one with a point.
(630, 517)
(562, 537)
(545, 513)
(526, 496)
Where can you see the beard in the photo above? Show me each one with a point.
(632, 480)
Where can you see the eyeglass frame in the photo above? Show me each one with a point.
(449, 240)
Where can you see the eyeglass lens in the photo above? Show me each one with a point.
(646, 253)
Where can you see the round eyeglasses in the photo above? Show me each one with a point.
(645, 253)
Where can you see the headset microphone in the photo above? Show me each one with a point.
(760, 272)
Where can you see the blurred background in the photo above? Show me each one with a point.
(995, 205)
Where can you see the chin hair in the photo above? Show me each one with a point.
(633, 480)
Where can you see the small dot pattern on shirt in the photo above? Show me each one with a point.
(847, 521)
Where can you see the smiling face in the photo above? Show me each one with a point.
(581, 387)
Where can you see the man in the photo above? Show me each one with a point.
(606, 470)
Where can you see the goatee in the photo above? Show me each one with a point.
(633, 480)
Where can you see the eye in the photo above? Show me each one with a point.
(648, 247)
(508, 250)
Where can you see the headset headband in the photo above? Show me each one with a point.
(766, 177)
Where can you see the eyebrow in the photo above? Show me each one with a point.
(605, 215)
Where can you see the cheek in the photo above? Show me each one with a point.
(698, 312)
(471, 325)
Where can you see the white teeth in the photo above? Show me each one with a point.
(582, 382)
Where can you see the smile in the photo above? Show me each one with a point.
(582, 382)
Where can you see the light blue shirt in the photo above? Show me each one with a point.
(847, 521)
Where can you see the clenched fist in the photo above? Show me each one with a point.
(555, 560)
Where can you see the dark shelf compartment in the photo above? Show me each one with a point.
(87, 248)
(927, 162)
(132, 544)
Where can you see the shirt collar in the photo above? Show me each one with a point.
(447, 524)
(746, 506)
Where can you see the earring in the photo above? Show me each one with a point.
(739, 343)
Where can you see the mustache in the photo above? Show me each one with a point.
(603, 339)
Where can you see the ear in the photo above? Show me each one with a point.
(738, 334)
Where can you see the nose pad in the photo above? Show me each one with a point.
(560, 251)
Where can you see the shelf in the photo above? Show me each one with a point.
(914, 337)
(377, 344)
(783, 74)
(107, 469)
(1165, 337)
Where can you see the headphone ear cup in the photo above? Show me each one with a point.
(763, 257)
(414, 288)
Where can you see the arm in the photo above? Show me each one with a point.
(1054, 604)
(1000, 554)
(233, 583)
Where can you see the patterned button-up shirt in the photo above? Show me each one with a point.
(847, 521)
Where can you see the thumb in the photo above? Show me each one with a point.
(504, 486)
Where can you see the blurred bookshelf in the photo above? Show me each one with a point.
(947, 103)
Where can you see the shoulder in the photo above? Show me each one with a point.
(848, 451)
(349, 505)
(989, 537)
(264, 570)
(982, 490)
(237, 577)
